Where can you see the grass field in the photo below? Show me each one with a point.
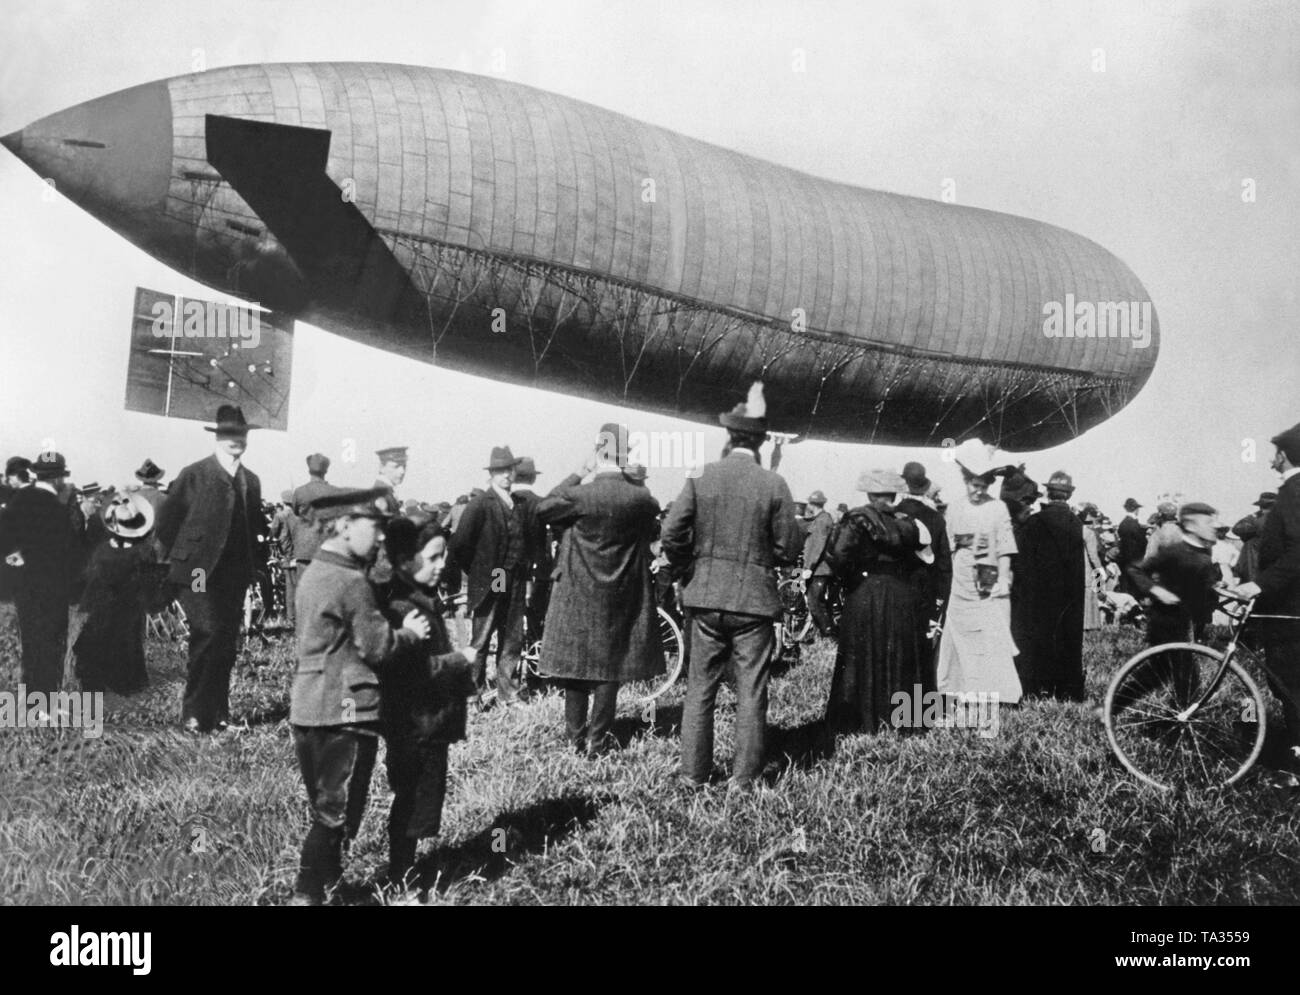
(1037, 814)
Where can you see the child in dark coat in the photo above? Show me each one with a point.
(423, 698)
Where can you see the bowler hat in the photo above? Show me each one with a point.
(502, 459)
(149, 472)
(1130, 504)
(318, 464)
(127, 516)
(17, 466)
(914, 474)
(750, 415)
(50, 465)
(230, 421)
(817, 497)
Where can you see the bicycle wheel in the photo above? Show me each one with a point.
(674, 660)
(1169, 733)
(796, 620)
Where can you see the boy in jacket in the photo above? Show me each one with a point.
(344, 642)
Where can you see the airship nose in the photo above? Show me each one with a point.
(112, 156)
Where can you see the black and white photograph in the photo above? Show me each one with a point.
(713, 453)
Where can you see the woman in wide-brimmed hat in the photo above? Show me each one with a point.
(875, 552)
(119, 583)
(977, 653)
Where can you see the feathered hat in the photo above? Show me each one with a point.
(749, 416)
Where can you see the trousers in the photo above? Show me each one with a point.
(214, 617)
(602, 696)
(502, 612)
(43, 629)
(336, 763)
(746, 641)
(818, 607)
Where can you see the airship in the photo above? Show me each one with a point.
(507, 232)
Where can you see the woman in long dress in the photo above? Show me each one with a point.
(1093, 571)
(977, 653)
(874, 553)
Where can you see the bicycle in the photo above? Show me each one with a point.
(1187, 716)
(796, 618)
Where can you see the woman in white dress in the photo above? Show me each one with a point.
(977, 653)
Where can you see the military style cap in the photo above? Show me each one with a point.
(390, 454)
(372, 502)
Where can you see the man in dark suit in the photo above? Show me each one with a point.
(1132, 544)
(1278, 584)
(489, 544)
(729, 530)
(537, 543)
(932, 581)
(40, 536)
(208, 532)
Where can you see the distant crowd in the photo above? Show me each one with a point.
(981, 599)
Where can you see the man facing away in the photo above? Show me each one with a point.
(305, 535)
(727, 532)
(208, 530)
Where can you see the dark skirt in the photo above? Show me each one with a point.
(879, 655)
(110, 648)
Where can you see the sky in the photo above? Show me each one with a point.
(1180, 154)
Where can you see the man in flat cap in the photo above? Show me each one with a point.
(816, 570)
(1278, 585)
(726, 533)
(41, 537)
(344, 645)
(208, 532)
(489, 544)
(1050, 578)
(392, 469)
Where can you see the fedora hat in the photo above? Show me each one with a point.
(502, 459)
(149, 472)
(127, 516)
(750, 415)
(230, 421)
(1131, 504)
(527, 468)
(1266, 500)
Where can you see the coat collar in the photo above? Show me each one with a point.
(338, 559)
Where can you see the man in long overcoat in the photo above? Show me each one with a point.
(601, 627)
(1049, 567)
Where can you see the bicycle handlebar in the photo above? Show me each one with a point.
(1229, 595)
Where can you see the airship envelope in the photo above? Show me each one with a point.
(500, 230)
